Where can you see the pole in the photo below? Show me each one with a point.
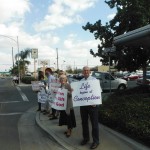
(44, 70)
(12, 57)
(18, 53)
(34, 69)
(109, 74)
(18, 62)
(74, 65)
(57, 58)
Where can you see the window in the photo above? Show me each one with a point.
(97, 75)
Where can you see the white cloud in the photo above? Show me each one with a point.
(63, 12)
(111, 16)
(13, 9)
(78, 52)
(79, 5)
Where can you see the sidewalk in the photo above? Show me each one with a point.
(109, 139)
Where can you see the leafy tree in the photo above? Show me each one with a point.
(23, 55)
(131, 14)
(14, 70)
(69, 69)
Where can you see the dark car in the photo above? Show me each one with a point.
(74, 78)
(78, 76)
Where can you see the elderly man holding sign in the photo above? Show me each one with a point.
(87, 95)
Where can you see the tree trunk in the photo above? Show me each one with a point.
(144, 73)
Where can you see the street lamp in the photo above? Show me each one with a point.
(17, 42)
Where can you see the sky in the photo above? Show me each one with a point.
(51, 25)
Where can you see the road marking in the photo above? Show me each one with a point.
(10, 114)
(22, 94)
(10, 102)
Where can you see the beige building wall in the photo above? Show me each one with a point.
(103, 68)
(106, 68)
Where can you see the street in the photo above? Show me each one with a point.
(18, 129)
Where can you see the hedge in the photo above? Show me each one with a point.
(129, 113)
(27, 79)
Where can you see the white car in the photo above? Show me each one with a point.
(108, 82)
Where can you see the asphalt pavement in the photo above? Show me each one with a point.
(109, 139)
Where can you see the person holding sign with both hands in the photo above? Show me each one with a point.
(67, 114)
(92, 112)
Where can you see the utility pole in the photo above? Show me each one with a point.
(74, 65)
(57, 58)
(12, 57)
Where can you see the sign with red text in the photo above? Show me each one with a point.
(53, 87)
(60, 101)
(86, 93)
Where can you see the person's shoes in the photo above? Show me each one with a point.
(84, 142)
(94, 145)
(68, 134)
(45, 113)
(38, 110)
(52, 118)
(50, 115)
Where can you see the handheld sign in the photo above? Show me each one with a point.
(86, 93)
(42, 95)
(53, 88)
(60, 100)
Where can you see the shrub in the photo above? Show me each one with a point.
(27, 79)
(128, 112)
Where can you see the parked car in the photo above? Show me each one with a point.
(140, 80)
(78, 76)
(107, 81)
(129, 77)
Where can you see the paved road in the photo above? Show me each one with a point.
(18, 130)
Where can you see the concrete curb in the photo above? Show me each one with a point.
(61, 142)
(133, 144)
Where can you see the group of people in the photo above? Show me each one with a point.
(67, 117)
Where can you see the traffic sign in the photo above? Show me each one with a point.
(44, 62)
(34, 53)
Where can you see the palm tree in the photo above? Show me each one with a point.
(23, 55)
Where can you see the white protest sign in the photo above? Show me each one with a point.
(50, 97)
(60, 101)
(53, 87)
(42, 96)
(86, 93)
